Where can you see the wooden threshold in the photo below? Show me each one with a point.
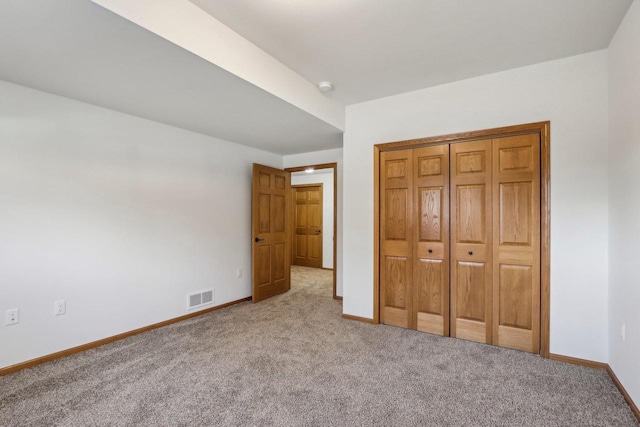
(359, 319)
(68, 352)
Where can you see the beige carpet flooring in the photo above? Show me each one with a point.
(293, 361)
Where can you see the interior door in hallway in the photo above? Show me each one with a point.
(516, 242)
(471, 255)
(307, 217)
(431, 239)
(396, 238)
(271, 260)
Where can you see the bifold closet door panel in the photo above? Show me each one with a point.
(471, 254)
(516, 242)
(396, 238)
(431, 239)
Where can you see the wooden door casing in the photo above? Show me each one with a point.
(307, 218)
(396, 241)
(516, 242)
(431, 239)
(471, 255)
(271, 261)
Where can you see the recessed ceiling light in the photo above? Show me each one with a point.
(325, 86)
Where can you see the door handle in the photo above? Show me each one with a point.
(319, 231)
(257, 239)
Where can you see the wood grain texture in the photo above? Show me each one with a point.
(376, 234)
(471, 241)
(516, 242)
(541, 128)
(271, 245)
(307, 227)
(430, 215)
(465, 136)
(396, 238)
(545, 238)
(88, 346)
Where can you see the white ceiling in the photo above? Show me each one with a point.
(375, 48)
(79, 50)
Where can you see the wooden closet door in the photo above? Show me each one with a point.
(431, 242)
(516, 242)
(471, 255)
(396, 208)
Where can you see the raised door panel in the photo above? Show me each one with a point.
(516, 235)
(271, 240)
(471, 241)
(302, 215)
(315, 215)
(471, 221)
(396, 238)
(396, 213)
(431, 239)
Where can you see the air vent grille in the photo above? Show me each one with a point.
(199, 299)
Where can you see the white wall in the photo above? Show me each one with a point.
(324, 177)
(572, 93)
(320, 157)
(624, 201)
(119, 216)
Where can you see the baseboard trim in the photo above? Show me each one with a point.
(84, 347)
(603, 367)
(358, 318)
(582, 362)
(338, 297)
(328, 269)
(624, 393)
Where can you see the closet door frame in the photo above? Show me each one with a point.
(540, 128)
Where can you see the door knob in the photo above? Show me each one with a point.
(319, 231)
(430, 251)
(257, 239)
(470, 253)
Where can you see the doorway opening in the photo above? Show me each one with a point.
(314, 218)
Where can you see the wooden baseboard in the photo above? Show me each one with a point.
(68, 352)
(603, 367)
(624, 393)
(358, 318)
(582, 362)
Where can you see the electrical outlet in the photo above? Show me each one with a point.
(239, 273)
(12, 317)
(59, 307)
(623, 331)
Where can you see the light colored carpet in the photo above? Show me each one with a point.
(292, 360)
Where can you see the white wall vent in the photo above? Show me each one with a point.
(199, 299)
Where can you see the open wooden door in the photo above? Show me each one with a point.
(271, 253)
